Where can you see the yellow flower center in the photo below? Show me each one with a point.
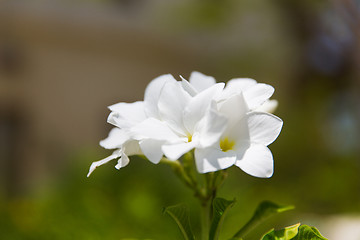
(189, 136)
(226, 144)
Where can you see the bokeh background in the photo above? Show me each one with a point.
(63, 62)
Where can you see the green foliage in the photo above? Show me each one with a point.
(267, 209)
(308, 233)
(294, 232)
(103, 206)
(180, 215)
(220, 208)
(263, 211)
(283, 234)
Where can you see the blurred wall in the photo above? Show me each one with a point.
(63, 62)
(60, 67)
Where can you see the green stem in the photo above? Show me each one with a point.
(205, 192)
(175, 163)
(180, 172)
(245, 229)
(205, 220)
(209, 193)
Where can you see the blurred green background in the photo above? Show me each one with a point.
(63, 62)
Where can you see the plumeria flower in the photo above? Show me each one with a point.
(256, 95)
(168, 121)
(226, 126)
(243, 102)
(184, 122)
(125, 116)
(244, 142)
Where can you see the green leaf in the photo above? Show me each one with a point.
(283, 234)
(267, 209)
(308, 233)
(263, 211)
(180, 214)
(220, 207)
(294, 232)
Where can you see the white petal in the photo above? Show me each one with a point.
(264, 128)
(258, 94)
(211, 128)
(131, 148)
(115, 139)
(199, 105)
(236, 86)
(175, 151)
(234, 109)
(240, 84)
(96, 164)
(268, 106)
(172, 102)
(257, 161)
(213, 159)
(187, 87)
(152, 149)
(115, 119)
(154, 129)
(133, 110)
(122, 162)
(152, 93)
(200, 81)
(125, 115)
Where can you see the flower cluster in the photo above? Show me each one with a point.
(224, 125)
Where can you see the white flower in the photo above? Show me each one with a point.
(184, 122)
(226, 126)
(244, 142)
(256, 95)
(244, 102)
(168, 115)
(125, 116)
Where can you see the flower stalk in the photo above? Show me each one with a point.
(205, 191)
(205, 219)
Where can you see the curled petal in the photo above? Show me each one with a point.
(264, 128)
(122, 162)
(96, 164)
(257, 161)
